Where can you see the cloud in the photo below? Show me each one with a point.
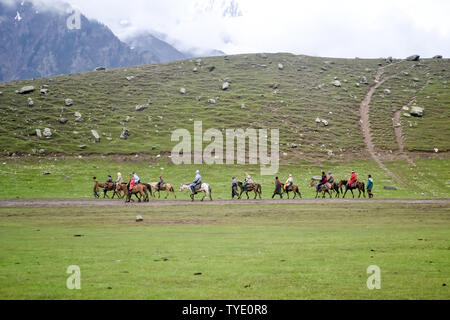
(326, 28)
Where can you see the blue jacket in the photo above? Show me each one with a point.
(370, 184)
(198, 180)
(136, 178)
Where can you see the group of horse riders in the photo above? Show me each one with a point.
(350, 183)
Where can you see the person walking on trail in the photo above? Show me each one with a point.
(330, 177)
(197, 181)
(370, 187)
(289, 183)
(278, 188)
(119, 179)
(322, 182)
(247, 181)
(234, 188)
(353, 179)
(136, 178)
(161, 184)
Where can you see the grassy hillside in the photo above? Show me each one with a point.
(106, 98)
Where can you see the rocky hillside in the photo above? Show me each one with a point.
(315, 102)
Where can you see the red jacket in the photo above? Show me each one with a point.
(353, 179)
(132, 183)
(324, 179)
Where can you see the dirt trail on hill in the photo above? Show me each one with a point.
(398, 129)
(108, 203)
(365, 123)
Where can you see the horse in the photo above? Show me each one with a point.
(206, 188)
(98, 185)
(336, 187)
(168, 189)
(139, 189)
(361, 186)
(255, 187)
(326, 188)
(295, 189)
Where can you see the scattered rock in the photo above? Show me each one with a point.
(195, 69)
(436, 150)
(243, 106)
(325, 123)
(318, 120)
(199, 62)
(405, 108)
(139, 219)
(389, 60)
(183, 91)
(390, 188)
(387, 92)
(262, 55)
(416, 80)
(417, 111)
(46, 173)
(125, 134)
(96, 135)
(293, 146)
(41, 151)
(47, 132)
(225, 86)
(141, 108)
(212, 101)
(130, 78)
(69, 102)
(337, 83)
(358, 85)
(30, 102)
(364, 80)
(26, 89)
(280, 66)
(38, 133)
(414, 57)
(63, 121)
(100, 69)
(212, 68)
(43, 92)
(83, 147)
(77, 115)
(407, 115)
(438, 57)
(227, 80)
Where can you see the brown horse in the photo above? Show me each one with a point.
(255, 187)
(97, 186)
(168, 189)
(139, 190)
(361, 186)
(336, 187)
(293, 189)
(326, 188)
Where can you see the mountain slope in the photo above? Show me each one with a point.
(288, 98)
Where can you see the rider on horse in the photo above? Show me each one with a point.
(330, 177)
(289, 183)
(136, 178)
(323, 181)
(247, 181)
(161, 184)
(132, 182)
(353, 179)
(197, 181)
(119, 179)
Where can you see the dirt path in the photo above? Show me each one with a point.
(365, 123)
(109, 203)
(398, 129)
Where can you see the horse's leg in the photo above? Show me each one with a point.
(352, 193)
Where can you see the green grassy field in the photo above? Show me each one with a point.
(227, 252)
(72, 178)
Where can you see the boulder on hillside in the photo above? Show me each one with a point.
(262, 55)
(96, 135)
(47, 132)
(68, 102)
(337, 83)
(183, 90)
(280, 66)
(30, 102)
(38, 133)
(414, 57)
(125, 134)
(212, 101)
(100, 69)
(63, 121)
(43, 92)
(26, 89)
(364, 80)
(417, 111)
(226, 86)
(141, 108)
(387, 92)
(438, 57)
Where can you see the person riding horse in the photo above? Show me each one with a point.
(197, 182)
(119, 179)
(132, 182)
(330, 177)
(247, 181)
(289, 183)
(161, 184)
(136, 178)
(353, 179)
(322, 182)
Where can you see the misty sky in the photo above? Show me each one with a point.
(345, 28)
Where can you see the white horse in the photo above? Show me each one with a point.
(206, 188)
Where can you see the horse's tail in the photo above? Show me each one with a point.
(363, 187)
(149, 187)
